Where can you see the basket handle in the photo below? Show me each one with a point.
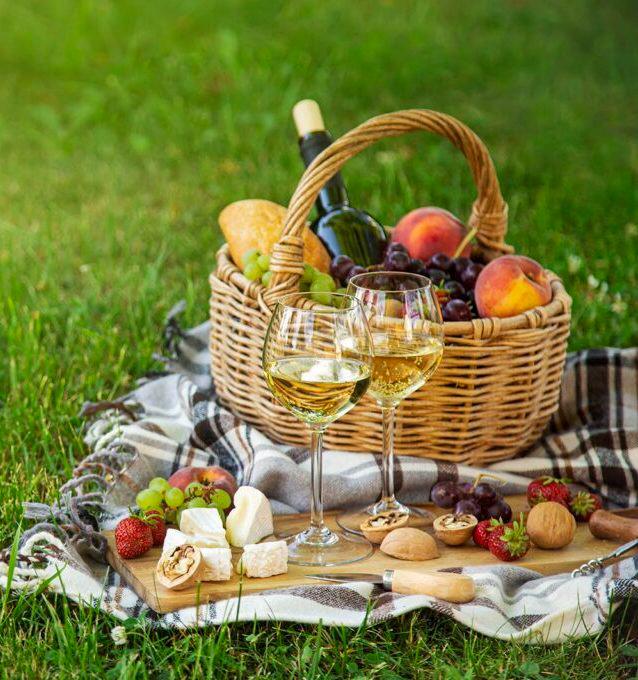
(489, 210)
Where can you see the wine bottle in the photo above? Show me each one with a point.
(344, 230)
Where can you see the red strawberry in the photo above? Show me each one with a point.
(548, 489)
(511, 543)
(133, 537)
(584, 504)
(483, 530)
(156, 521)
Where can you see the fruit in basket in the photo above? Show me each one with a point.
(213, 477)
(428, 231)
(548, 489)
(584, 504)
(456, 310)
(133, 537)
(509, 543)
(510, 285)
(551, 525)
(256, 224)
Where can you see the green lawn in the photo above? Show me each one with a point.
(126, 126)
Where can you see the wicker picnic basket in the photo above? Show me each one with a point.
(499, 380)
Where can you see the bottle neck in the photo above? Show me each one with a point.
(333, 194)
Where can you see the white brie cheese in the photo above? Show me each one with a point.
(201, 521)
(216, 555)
(251, 518)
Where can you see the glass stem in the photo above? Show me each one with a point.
(387, 494)
(317, 525)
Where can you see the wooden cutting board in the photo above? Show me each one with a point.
(140, 572)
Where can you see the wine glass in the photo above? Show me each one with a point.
(407, 336)
(317, 361)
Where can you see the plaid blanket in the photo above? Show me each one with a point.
(172, 419)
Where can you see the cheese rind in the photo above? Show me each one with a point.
(201, 521)
(264, 559)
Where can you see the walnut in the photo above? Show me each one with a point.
(377, 527)
(407, 543)
(454, 529)
(180, 567)
(551, 525)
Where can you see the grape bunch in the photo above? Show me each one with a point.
(170, 501)
(454, 278)
(319, 285)
(473, 498)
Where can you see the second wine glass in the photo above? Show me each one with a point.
(407, 337)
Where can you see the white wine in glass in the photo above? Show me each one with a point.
(317, 361)
(407, 345)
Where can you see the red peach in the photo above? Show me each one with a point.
(211, 476)
(510, 285)
(426, 231)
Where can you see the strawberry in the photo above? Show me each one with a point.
(483, 530)
(548, 489)
(133, 537)
(511, 543)
(584, 504)
(156, 521)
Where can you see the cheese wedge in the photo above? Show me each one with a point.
(264, 559)
(251, 518)
(201, 521)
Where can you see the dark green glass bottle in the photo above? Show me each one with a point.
(344, 230)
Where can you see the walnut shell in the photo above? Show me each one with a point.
(180, 568)
(377, 527)
(454, 529)
(407, 543)
(551, 525)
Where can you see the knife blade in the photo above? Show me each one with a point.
(443, 585)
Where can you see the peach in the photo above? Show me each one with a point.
(213, 475)
(510, 285)
(426, 231)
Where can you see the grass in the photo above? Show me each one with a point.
(126, 126)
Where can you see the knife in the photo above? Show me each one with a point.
(444, 585)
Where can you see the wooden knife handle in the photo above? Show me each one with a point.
(444, 585)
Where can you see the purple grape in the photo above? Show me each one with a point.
(397, 261)
(415, 265)
(467, 506)
(440, 261)
(455, 289)
(457, 310)
(458, 266)
(395, 246)
(357, 269)
(470, 274)
(485, 494)
(445, 494)
(436, 276)
(466, 489)
(499, 510)
(340, 267)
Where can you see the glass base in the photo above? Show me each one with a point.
(351, 520)
(326, 548)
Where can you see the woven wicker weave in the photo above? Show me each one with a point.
(499, 379)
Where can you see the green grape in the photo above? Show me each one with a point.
(323, 298)
(147, 499)
(264, 262)
(221, 499)
(178, 515)
(170, 516)
(194, 489)
(341, 291)
(265, 279)
(250, 256)
(308, 274)
(323, 283)
(174, 497)
(252, 271)
(304, 286)
(196, 503)
(159, 484)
